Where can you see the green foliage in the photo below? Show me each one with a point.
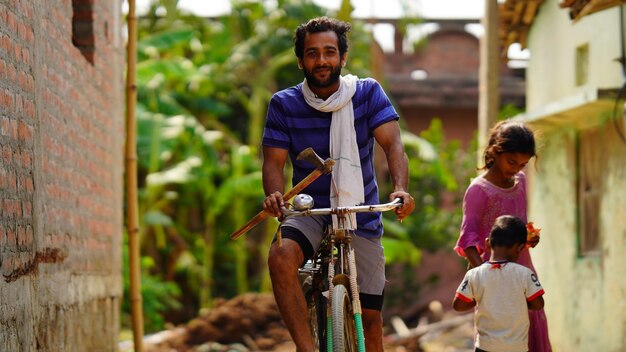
(508, 111)
(203, 88)
(158, 296)
(439, 171)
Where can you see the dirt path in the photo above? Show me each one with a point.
(251, 322)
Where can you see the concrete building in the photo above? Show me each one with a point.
(577, 191)
(61, 164)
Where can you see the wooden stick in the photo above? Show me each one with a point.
(262, 215)
(132, 217)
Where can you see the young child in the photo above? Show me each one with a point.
(502, 291)
(501, 190)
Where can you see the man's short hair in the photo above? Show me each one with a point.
(318, 25)
(508, 231)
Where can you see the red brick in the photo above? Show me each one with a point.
(3, 70)
(5, 124)
(10, 100)
(28, 185)
(26, 56)
(24, 131)
(26, 159)
(21, 236)
(3, 179)
(11, 240)
(29, 109)
(4, 43)
(7, 154)
(11, 181)
(11, 22)
(13, 123)
(27, 209)
(12, 73)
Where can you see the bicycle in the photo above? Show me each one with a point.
(329, 278)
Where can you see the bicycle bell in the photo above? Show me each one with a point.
(302, 202)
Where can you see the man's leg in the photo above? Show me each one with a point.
(373, 330)
(283, 264)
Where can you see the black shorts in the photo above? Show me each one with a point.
(369, 255)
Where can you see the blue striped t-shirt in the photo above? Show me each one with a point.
(293, 125)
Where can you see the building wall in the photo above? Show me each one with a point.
(585, 294)
(457, 121)
(551, 74)
(448, 53)
(61, 139)
(450, 56)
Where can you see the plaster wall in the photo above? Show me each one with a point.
(585, 295)
(552, 41)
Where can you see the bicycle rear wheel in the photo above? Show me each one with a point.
(316, 317)
(344, 330)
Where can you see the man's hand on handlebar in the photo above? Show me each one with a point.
(408, 204)
(273, 202)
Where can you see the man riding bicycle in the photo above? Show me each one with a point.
(340, 117)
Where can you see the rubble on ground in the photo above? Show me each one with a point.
(251, 322)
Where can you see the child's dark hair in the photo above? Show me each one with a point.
(509, 137)
(318, 25)
(507, 231)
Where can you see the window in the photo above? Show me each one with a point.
(591, 166)
(582, 64)
(82, 28)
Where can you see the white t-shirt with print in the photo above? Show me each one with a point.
(501, 291)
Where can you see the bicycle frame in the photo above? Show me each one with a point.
(334, 273)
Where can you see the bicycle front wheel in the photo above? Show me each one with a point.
(344, 330)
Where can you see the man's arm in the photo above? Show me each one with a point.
(388, 137)
(274, 160)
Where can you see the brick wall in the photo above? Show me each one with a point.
(451, 58)
(61, 144)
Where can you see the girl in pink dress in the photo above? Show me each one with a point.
(501, 190)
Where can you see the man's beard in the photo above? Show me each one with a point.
(314, 82)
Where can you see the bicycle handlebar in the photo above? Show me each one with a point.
(396, 203)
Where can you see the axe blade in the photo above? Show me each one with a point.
(310, 156)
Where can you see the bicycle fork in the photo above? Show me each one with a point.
(348, 262)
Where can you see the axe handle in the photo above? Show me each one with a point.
(250, 224)
(262, 215)
(302, 184)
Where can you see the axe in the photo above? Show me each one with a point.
(321, 167)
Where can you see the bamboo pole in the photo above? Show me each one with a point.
(132, 216)
(489, 76)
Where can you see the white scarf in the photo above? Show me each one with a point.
(347, 180)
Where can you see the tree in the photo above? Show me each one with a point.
(203, 87)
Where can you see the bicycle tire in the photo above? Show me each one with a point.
(316, 317)
(344, 330)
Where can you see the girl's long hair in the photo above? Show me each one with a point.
(509, 137)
